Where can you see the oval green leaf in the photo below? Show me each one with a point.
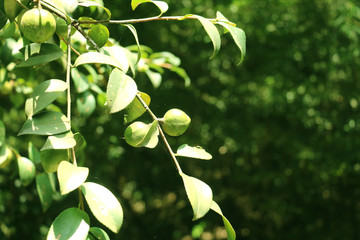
(45, 190)
(231, 235)
(35, 54)
(86, 103)
(80, 141)
(95, 57)
(47, 123)
(26, 170)
(161, 5)
(135, 108)
(34, 153)
(70, 176)
(44, 94)
(151, 138)
(80, 80)
(193, 152)
(212, 32)
(51, 158)
(60, 141)
(96, 233)
(104, 205)
(199, 194)
(71, 224)
(121, 90)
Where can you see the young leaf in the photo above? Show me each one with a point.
(212, 32)
(95, 57)
(96, 233)
(44, 94)
(104, 205)
(135, 108)
(45, 190)
(50, 159)
(60, 141)
(134, 32)
(199, 194)
(34, 154)
(26, 170)
(238, 36)
(229, 229)
(86, 103)
(193, 152)
(121, 90)
(154, 77)
(47, 123)
(72, 223)
(36, 54)
(70, 176)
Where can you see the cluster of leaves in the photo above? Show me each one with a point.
(94, 49)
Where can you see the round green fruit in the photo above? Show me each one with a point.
(99, 34)
(38, 25)
(135, 133)
(175, 122)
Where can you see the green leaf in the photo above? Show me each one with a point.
(86, 103)
(151, 139)
(60, 141)
(231, 235)
(6, 156)
(44, 94)
(8, 31)
(80, 80)
(182, 73)
(134, 32)
(36, 54)
(3, 19)
(95, 57)
(80, 141)
(118, 53)
(70, 176)
(47, 123)
(193, 152)
(121, 90)
(96, 233)
(154, 77)
(212, 32)
(34, 154)
(86, 3)
(135, 108)
(199, 194)
(71, 224)
(2, 133)
(238, 36)
(104, 205)
(26, 170)
(51, 158)
(163, 6)
(45, 190)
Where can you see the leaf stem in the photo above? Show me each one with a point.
(161, 134)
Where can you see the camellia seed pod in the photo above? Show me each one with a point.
(175, 122)
(135, 133)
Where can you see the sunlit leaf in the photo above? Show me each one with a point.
(96, 233)
(162, 6)
(9, 30)
(212, 32)
(47, 123)
(238, 36)
(26, 170)
(154, 77)
(60, 141)
(70, 176)
(231, 235)
(134, 32)
(199, 194)
(120, 91)
(86, 3)
(71, 224)
(95, 57)
(104, 205)
(6, 156)
(36, 54)
(51, 158)
(193, 152)
(151, 138)
(119, 54)
(44, 94)
(136, 109)
(34, 153)
(44, 189)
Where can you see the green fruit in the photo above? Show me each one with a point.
(135, 133)
(38, 25)
(12, 8)
(175, 122)
(99, 34)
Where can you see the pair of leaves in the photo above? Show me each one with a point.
(200, 197)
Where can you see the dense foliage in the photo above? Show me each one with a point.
(282, 127)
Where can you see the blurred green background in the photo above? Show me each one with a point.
(283, 128)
